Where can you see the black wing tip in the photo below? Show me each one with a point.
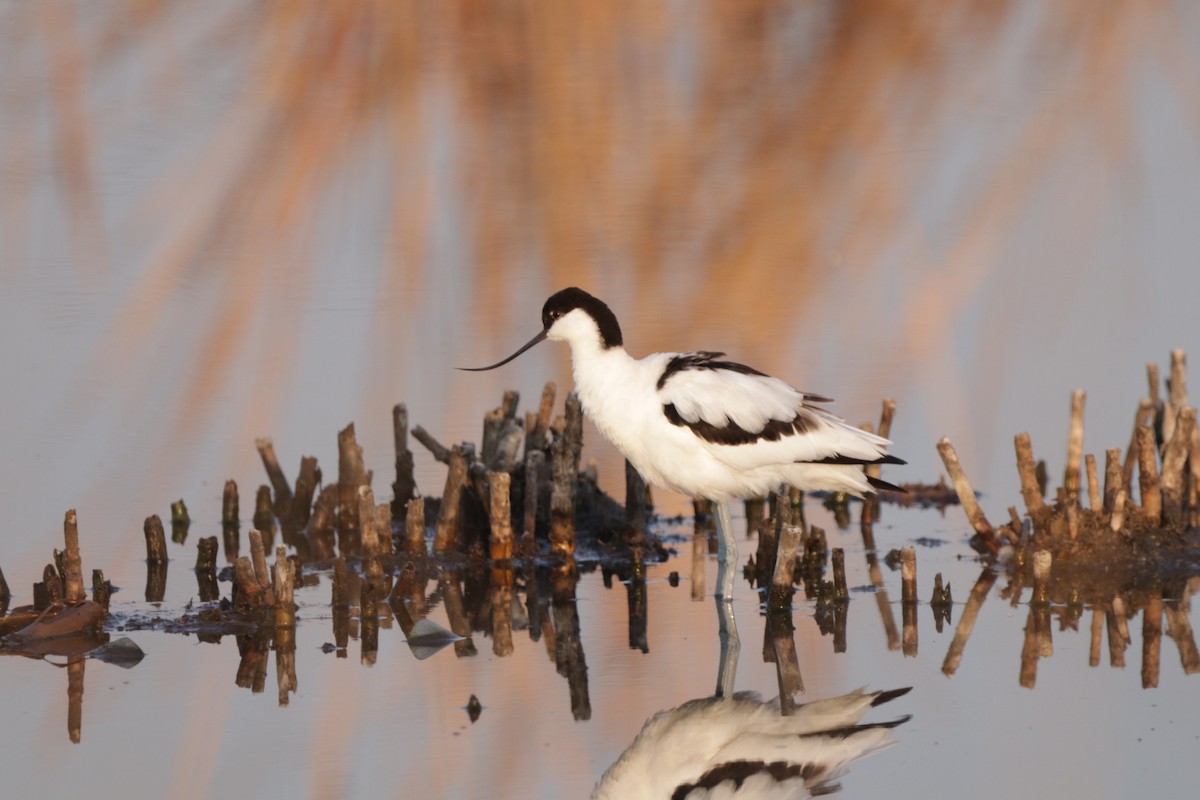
(884, 697)
(882, 485)
(895, 723)
(858, 462)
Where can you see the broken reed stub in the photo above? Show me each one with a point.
(1027, 471)
(1174, 462)
(908, 575)
(404, 488)
(248, 595)
(908, 601)
(789, 532)
(1177, 395)
(966, 495)
(537, 426)
(306, 485)
(368, 531)
(500, 516)
(229, 503)
(1114, 478)
(383, 527)
(448, 534)
(816, 548)
(351, 474)
(48, 590)
(283, 584)
(101, 589)
(258, 558)
(941, 597)
(439, 451)
(1071, 476)
(206, 554)
(264, 514)
(1117, 520)
(72, 563)
(535, 462)
(279, 482)
(502, 434)
(1144, 416)
(886, 416)
(156, 540)
(756, 513)
(414, 526)
(1095, 498)
(1148, 481)
(565, 454)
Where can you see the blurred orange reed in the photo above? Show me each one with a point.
(722, 146)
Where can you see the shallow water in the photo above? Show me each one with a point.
(992, 225)
(360, 725)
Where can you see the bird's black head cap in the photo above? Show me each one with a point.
(568, 300)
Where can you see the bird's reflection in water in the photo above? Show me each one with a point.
(742, 747)
(738, 746)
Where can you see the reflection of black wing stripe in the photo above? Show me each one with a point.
(850, 730)
(740, 771)
(733, 434)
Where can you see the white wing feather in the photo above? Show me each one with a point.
(720, 397)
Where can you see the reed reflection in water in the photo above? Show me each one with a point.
(492, 601)
(564, 620)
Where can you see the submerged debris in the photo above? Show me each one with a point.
(474, 708)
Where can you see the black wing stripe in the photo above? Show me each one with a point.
(702, 360)
(733, 434)
(707, 359)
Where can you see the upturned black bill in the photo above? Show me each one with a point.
(540, 337)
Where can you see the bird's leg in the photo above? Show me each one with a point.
(731, 647)
(727, 553)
